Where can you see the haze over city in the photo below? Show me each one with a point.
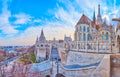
(21, 21)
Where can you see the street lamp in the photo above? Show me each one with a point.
(52, 66)
(57, 62)
(98, 46)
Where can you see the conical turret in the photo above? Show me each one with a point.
(42, 37)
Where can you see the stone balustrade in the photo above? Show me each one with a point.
(83, 58)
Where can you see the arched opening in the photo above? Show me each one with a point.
(59, 75)
(47, 76)
(118, 43)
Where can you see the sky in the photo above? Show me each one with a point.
(21, 21)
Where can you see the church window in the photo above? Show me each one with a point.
(80, 38)
(107, 36)
(84, 29)
(102, 36)
(88, 29)
(84, 36)
(80, 28)
(88, 38)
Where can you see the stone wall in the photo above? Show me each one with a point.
(103, 70)
(83, 58)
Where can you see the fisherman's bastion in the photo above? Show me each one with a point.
(94, 52)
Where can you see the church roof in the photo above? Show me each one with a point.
(84, 19)
(97, 26)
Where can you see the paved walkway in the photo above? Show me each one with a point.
(54, 54)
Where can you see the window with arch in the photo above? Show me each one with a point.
(84, 36)
(84, 29)
(80, 38)
(88, 38)
(107, 36)
(88, 29)
(102, 36)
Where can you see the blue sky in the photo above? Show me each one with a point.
(22, 20)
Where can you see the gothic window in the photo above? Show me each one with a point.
(88, 38)
(84, 36)
(107, 36)
(84, 29)
(88, 29)
(80, 28)
(80, 38)
(102, 36)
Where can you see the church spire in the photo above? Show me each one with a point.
(42, 37)
(94, 18)
(99, 10)
(42, 34)
(99, 19)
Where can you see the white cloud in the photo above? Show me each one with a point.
(9, 30)
(22, 18)
(37, 20)
(5, 25)
(106, 18)
(67, 19)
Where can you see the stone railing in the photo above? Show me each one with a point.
(83, 58)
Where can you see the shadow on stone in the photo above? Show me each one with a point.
(47, 76)
(59, 75)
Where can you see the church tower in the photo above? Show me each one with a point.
(99, 19)
(42, 38)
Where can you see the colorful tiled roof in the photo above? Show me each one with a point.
(84, 19)
(1, 51)
(97, 26)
